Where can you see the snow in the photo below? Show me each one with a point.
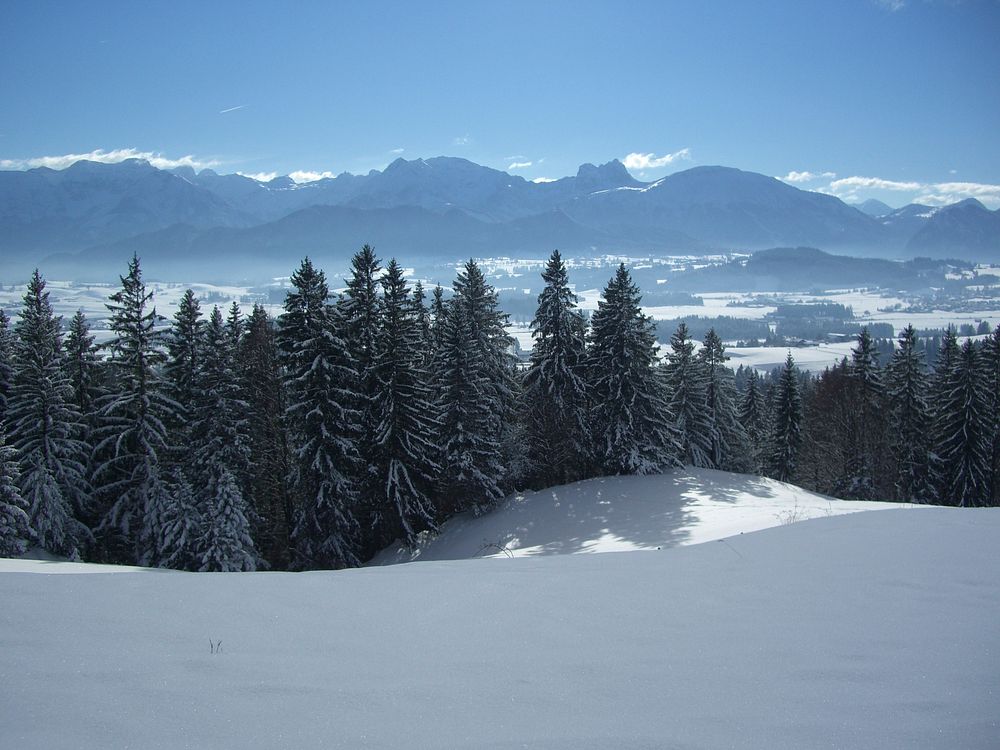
(865, 630)
(616, 514)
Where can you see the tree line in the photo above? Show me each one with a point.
(227, 442)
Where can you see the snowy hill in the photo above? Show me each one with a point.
(616, 514)
(866, 630)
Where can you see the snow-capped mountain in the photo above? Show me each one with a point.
(444, 206)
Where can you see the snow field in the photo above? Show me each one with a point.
(865, 630)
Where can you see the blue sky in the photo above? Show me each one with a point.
(896, 99)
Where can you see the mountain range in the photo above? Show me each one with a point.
(89, 218)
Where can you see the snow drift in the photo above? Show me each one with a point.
(616, 514)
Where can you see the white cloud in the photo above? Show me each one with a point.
(854, 189)
(397, 151)
(651, 161)
(943, 193)
(519, 165)
(462, 140)
(259, 176)
(300, 176)
(108, 157)
(891, 5)
(797, 177)
(544, 179)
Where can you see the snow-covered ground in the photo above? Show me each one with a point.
(868, 630)
(617, 514)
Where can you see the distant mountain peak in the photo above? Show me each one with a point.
(611, 174)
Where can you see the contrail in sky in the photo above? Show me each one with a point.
(231, 109)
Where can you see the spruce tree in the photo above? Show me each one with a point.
(942, 384)
(729, 445)
(555, 392)
(686, 388)
(629, 413)
(133, 435)
(14, 532)
(181, 525)
(323, 419)
(45, 429)
(6, 364)
(753, 417)
(786, 435)
(184, 352)
(437, 317)
(965, 431)
(865, 435)
(270, 465)
(909, 420)
(361, 311)
(226, 545)
(991, 374)
(470, 458)
(405, 424)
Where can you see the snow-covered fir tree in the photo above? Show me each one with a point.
(6, 363)
(471, 462)
(556, 411)
(687, 391)
(133, 434)
(225, 545)
(185, 344)
(361, 311)
(45, 429)
(865, 434)
(85, 370)
(14, 533)
(323, 421)
(221, 454)
(180, 526)
(753, 417)
(964, 426)
(406, 429)
(990, 359)
(729, 445)
(263, 391)
(909, 420)
(630, 418)
(437, 317)
(487, 324)
(423, 319)
(940, 391)
(786, 429)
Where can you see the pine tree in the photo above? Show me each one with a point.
(555, 392)
(45, 428)
(226, 545)
(133, 435)
(180, 525)
(786, 436)
(405, 424)
(991, 367)
(629, 414)
(84, 370)
(942, 383)
(6, 364)
(909, 420)
(361, 312)
(470, 458)
(487, 326)
(437, 317)
(221, 454)
(686, 386)
(323, 419)
(753, 417)
(965, 429)
(14, 532)
(865, 435)
(423, 319)
(730, 449)
(263, 392)
(184, 351)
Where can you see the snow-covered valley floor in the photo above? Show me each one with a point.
(867, 630)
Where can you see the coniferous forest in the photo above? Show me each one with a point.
(224, 441)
